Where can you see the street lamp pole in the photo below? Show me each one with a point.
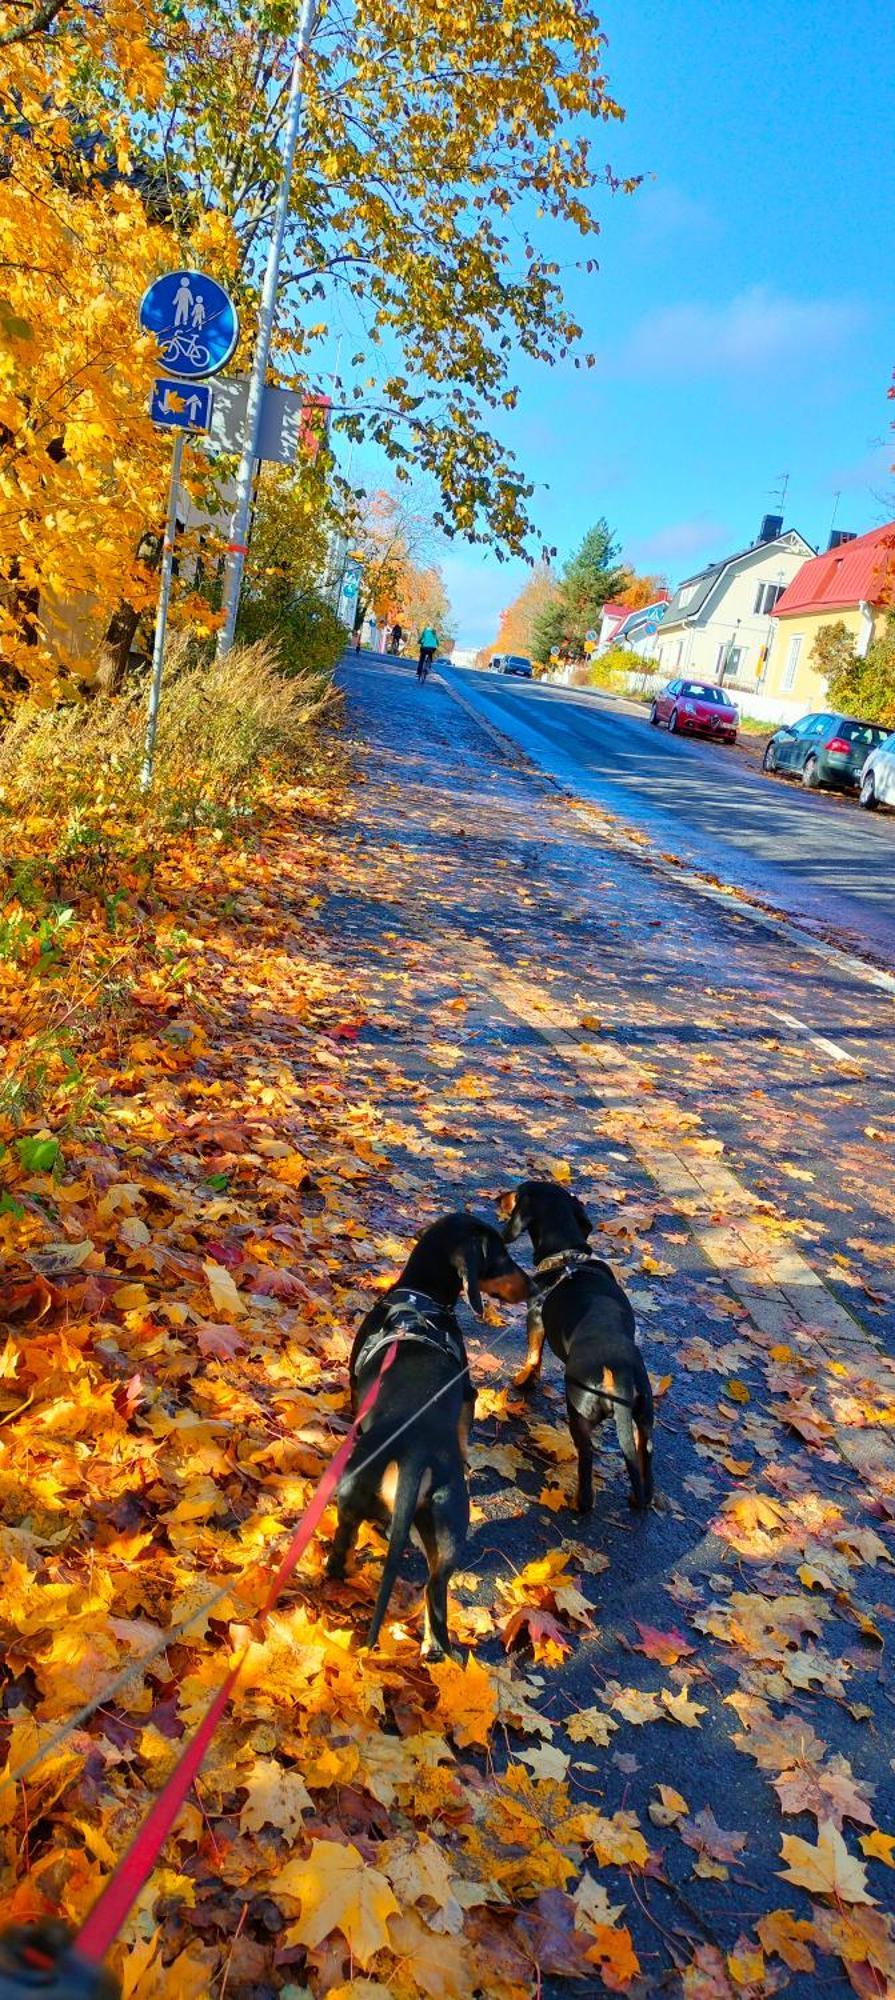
(239, 527)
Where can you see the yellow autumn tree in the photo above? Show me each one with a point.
(84, 227)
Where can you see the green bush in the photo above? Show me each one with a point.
(861, 687)
(302, 627)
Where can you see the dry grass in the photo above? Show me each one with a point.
(223, 726)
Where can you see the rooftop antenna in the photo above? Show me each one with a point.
(836, 499)
(778, 492)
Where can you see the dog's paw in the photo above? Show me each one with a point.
(335, 1570)
(525, 1379)
(584, 1503)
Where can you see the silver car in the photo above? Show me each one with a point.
(878, 776)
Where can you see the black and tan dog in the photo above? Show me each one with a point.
(577, 1304)
(408, 1467)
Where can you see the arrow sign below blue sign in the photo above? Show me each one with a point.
(194, 321)
(181, 406)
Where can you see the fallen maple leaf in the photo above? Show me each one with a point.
(590, 1725)
(667, 1647)
(467, 1701)
(879, 1847)
(224, 1295)
(336, 1890)
(613, 1952)
(538, 1629)
(825, 1870)
(786, 1936)
(681, 1708)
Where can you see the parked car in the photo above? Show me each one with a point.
(823, 749)
(697, 708)
(512, 663)
(878, 776)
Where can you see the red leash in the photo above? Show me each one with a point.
(135, 1867)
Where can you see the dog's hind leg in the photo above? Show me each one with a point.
(343, 1541)
(582, 1435)
(442, 1530)
(629, 1438)
(536, 1338)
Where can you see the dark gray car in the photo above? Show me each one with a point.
(823, 749)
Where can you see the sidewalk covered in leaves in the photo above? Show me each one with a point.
(663, 1763)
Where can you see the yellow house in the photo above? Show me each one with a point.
(852, 584)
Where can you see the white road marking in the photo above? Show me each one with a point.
(827, 1048)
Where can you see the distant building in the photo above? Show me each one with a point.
(640, 631)
(613, 616)
(852, 583)
(718, 624)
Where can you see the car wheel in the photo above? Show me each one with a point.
(810, 774)
(654, 716)
(867, 794)
(769, 760)
(672, 722)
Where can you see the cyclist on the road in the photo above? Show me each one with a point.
(428, 650)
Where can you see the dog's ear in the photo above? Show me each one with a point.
(468, 1261)
(581, 1215)
(514, 1209)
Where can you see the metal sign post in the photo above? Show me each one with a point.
(196, 328)
(161, 616)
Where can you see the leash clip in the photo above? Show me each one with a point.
(38, 1958)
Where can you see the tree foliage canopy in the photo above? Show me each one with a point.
(591, 577)
(861, 687)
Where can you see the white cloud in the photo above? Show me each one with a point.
(752, 333)
(680, 540)
(665, 214)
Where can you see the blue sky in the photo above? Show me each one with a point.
(743, 312)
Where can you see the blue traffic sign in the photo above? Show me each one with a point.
(194, 321)
(181, 406)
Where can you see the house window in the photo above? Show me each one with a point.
(719, 660)
(678, 652)
(792, 661)
(684, 594)
(766, 596)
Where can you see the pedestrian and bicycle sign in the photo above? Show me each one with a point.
(181, 406)
(196, 329)
(194, 322)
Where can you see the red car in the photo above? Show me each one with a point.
(698, 707)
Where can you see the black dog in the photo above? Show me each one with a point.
(578, 1305)
(408, 1467)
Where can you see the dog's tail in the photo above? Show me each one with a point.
(407, 1494)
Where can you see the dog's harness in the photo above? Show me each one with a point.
(413, 1316)
(567, 1264)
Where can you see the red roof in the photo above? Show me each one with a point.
(613, 610)
(858, 572)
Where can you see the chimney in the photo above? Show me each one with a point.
(838, 536)
(771, 527)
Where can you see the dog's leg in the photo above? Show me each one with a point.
(536, 1337)
(629, 1440)
(343, 1542)
(582, 1436)
(644, 1444)
(442, 1537)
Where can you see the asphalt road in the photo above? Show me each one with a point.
(816, 855)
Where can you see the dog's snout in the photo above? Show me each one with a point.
(512, 1286)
